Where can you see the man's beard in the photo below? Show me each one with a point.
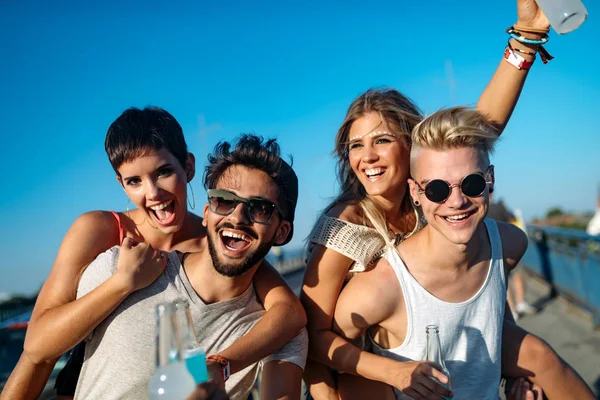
(242, 266)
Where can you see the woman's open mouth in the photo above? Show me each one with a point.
(164, 213)
(374, 173)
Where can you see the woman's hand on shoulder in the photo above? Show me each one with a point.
(139, 264)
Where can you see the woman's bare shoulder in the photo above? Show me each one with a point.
(346, 212)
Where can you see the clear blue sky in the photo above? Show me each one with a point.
(283, 69)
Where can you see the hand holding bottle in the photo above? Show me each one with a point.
(419, 380)
(521, 389)
(531, 15)
(215, 372)
(208, 391)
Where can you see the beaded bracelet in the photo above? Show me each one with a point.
(520, 38)
(523, 39)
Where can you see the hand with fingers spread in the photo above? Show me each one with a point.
(414, 379)
(139, 264)
(522, 389)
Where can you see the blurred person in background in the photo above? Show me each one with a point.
(517, 281)
(593, 227)
(499, 212)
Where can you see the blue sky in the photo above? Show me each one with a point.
(281, 69)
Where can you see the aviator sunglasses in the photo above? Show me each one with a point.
(256, 209)
(438, 190)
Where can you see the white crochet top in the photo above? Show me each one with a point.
(360, 243)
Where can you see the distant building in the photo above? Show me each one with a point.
(5, 297)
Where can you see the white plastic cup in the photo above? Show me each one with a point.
(564, 15)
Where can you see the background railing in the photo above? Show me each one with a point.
(569, 261)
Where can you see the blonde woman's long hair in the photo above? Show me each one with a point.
(401, 115)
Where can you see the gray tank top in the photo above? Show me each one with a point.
(120, 352)
(470, 331)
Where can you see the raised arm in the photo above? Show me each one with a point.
(282, 321)
(500, 97)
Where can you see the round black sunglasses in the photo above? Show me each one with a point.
(438, 190)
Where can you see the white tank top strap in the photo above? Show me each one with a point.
(496, 245)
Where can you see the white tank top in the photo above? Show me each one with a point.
(470, 331)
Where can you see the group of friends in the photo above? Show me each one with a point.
(405, 245)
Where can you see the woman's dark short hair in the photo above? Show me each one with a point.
(137, 131)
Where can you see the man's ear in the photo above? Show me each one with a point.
(282, 232)
(414, 191)
(204, 213)
(492, 178)
(190, 166)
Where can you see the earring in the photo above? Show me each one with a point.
(417, 203)
(193, 204)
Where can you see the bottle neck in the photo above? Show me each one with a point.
(189, 340)
(434, 351)
(168, 344)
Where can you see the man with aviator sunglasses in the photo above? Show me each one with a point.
(257, 210)
(452, 274)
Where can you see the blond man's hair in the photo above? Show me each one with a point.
(453, 128)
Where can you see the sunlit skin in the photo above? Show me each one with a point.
(452, 166)
(246, 183)
(154, 179)
(371, 150)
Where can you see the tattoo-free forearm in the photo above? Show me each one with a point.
(27, 380)
(330, 349)
(57, 330)
(500, 97)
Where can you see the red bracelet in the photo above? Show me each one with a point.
(516, 60)
(225, 366)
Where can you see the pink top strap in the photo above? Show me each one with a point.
(120, 226)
